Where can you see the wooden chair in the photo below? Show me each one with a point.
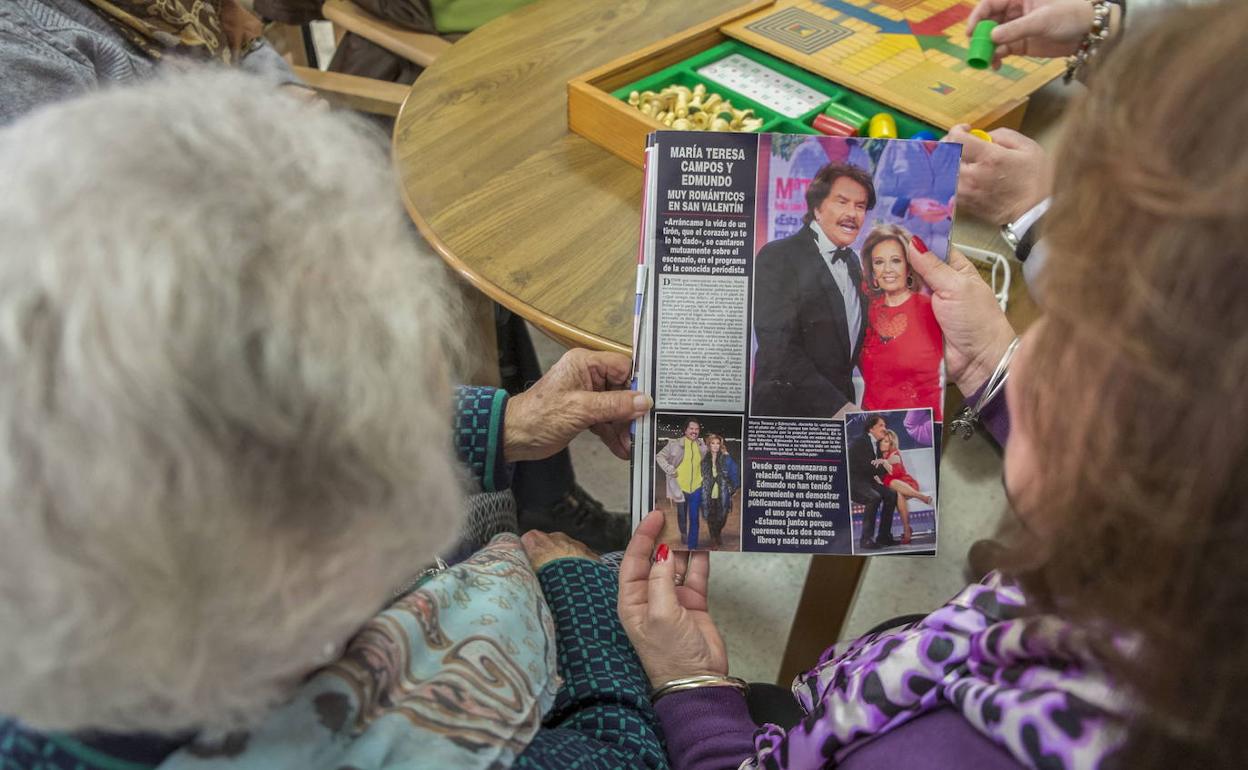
(364, 94)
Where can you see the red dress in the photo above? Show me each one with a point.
(901, 356)
(899, 471)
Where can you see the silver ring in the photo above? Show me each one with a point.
(679, 579)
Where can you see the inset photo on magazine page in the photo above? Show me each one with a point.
(892, 458)
(698, 481)
(841, 320)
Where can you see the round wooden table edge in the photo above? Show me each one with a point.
(561, 331)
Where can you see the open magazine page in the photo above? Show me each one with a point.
(792, 354)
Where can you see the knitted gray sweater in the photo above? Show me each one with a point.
(51, 50)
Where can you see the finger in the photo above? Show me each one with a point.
(1008, 138)
(1016, 48)
(986, 9)
(681, 559)
(534, 541)
(697, 581)
(614, 436)
(934, 272)
(1019, 30)
(959, 262)
(615, 368)
(635, 566)
(972, 146)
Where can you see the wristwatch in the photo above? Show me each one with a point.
(1021, 233)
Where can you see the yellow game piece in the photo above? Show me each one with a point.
(981, 134)
(882, 126)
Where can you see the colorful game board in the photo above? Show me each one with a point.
(907, 53)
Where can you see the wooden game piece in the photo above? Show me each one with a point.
(883, 126)
(847, 115)
(925, 135)
(829, 125)
(980, 50)
(979, 133)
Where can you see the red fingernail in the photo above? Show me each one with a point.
(662, 553)
(918, 244)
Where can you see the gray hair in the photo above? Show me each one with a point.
(224, 408)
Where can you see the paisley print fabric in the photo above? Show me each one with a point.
(457, 673)
(1028, 682)
(199, 29)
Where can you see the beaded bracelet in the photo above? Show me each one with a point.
(693, 682)
(1098, 34)
(964, 423)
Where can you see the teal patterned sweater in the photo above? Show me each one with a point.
(602, 718)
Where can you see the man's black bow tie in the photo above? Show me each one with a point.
(842, 254)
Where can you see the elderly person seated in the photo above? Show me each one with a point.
(228, 465)
(1111, 636)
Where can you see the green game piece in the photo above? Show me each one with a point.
(979, 53)
(847, 115)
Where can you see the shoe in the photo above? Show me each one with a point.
(905, 537)
(580, 516)
(867, 544)
(889, 543)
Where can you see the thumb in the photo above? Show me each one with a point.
(934, 272)
(611, 405)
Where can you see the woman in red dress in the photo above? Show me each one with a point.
(901, 482)
(903, 349)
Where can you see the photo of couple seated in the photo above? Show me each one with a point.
(842, 323)
(892, 469)
(698, 481)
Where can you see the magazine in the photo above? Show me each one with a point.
(794, 360)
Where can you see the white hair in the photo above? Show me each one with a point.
(225, 428)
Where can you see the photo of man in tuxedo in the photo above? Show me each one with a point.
(866, 471)
(809, 310)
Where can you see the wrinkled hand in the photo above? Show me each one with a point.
(1000, 180)
(581, 391)
(1034, 27)
(668, 624)
(976, 329)
(543, 548)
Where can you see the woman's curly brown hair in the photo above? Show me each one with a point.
(1140, 421)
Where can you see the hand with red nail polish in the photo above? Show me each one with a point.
(918, 244)
(668, 624)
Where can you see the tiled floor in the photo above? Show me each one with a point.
(753, 596)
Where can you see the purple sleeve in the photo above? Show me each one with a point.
(919, 426)
(995, 416)
(707, 728)
(941, 738)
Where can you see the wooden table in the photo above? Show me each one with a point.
(546, 223)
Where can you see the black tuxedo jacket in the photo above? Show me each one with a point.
(805, 360)
(862, 473)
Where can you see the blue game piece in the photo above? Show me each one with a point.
(925, 135)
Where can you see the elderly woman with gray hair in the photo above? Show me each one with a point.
(227, 466)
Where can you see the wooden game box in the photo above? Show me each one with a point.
(904, 57)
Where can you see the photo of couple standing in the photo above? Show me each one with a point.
(703, 482)
(842, 323)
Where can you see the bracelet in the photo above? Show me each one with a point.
(1098, 34)
(964, 423)
(693, 682)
